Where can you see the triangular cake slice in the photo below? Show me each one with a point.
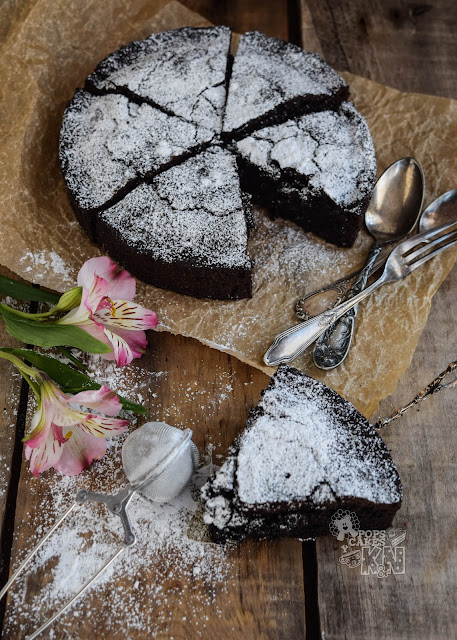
(305, 453)
(187, 231)
(184, 72)
(273, 80)
(317, 170)
(107, 142)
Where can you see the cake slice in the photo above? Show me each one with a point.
(273, 81)
(305, 453)
(317, 170)
(108, 142)
(187, 231)
(184, 72)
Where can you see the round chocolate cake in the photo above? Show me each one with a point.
(170, 139)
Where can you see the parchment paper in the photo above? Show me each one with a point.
(50, 46)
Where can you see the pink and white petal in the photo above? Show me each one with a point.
(80, 450)
(121, 283)
(96, 331)
(100, 426)
(57, 433)
(135, 339)
(41, 424)
(122, 352)
(122, 286)
(127, 315)
(101, 266)
(65, 416)
(45, 456)
(102, 399)
(95, 294)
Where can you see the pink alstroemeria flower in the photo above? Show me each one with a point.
(106, 310)
(68, 439)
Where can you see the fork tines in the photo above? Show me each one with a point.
(427, 245)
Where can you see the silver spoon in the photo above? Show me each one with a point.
(392, 213)
(441, 210)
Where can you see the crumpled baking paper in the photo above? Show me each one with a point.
(48, 47)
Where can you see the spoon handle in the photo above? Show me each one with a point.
(289, 344)
(333, 345)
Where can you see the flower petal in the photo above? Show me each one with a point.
(122, 352)
(101, 266)
(57, 433)
(41, 424)
(121, 283)
(97, 292)
(45, 456)
(135, 339)
(126, 315)
(80, 450)
(104, 427)
(102, 399)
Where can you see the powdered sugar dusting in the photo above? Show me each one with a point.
(192, 211)
(268, 72)
(171, 563)
(183, 71)
(330, 151)
(108, 141)
(41, 263)
(309, 446)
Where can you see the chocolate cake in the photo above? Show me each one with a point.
(183, 72)
(187, 230)
(108, 143)
(155, 105)
(305, 453)
(273, 80)
(317, 170)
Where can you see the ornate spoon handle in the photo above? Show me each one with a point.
(289, 344)
(333, 345)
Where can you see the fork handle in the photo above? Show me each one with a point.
(333, 345)
(289, 344)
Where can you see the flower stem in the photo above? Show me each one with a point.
(28, 373)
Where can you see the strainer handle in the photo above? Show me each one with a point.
(117, 504)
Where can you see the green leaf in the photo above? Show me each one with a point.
(49, 334)
(21, 291)
(78, 364)
(69, 379)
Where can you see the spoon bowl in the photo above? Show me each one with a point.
(441, 211)
(396, 201)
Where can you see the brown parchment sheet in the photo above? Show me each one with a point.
(48, 47)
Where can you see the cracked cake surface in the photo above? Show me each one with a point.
(273, 78)
(193, 214)
(326, 156)
(182, 71)
(108, 141)
(156, 104)
(305, 453)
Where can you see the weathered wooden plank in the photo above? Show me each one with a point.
(262, 593)
(10, 387)
(409, 46)
(270, 17)
(390, 43)
(12, 404)
(420, 603)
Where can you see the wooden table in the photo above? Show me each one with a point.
(286, 589)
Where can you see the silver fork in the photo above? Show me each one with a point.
(406, 257)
